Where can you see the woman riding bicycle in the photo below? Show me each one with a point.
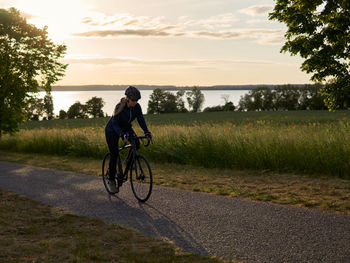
(119, 126)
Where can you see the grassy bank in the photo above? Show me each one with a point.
(33, 232)
(313, 149)
(297, 142)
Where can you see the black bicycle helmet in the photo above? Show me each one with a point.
(133, 93)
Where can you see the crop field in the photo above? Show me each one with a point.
(312, 142)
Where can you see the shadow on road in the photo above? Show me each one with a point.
(86, 196)
(149, 219)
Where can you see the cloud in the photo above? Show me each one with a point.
(274, 38)
(120, 21)
(161, 32)
(101, 25)
(227, 34)
(256, 10)
(262, 36)
(216, 27)
(218, 21)
(197, 63)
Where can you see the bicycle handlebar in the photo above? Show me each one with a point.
(149, 140)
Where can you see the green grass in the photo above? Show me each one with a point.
(315, 149)
(34, 232)
(312, 142)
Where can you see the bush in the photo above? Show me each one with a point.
(229, 106)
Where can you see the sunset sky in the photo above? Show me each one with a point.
(166, 42)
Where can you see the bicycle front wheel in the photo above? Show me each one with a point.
(141, 178)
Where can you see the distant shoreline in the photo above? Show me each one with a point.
(152, 87)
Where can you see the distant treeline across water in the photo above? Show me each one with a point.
(166, 87)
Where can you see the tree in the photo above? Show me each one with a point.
(155, 102)
(311, 98)
(229, 106)
(263, 98)
(28, 61)
(34, 108)
(162, 101)
(286, 97)
(77, 111)
(48, 106)
(195, 99)
(246, 103)
(169, 104)
(94, 107)
(258, 99)
(62, 115)
(225, 98)
(319, 32)
(180, 103)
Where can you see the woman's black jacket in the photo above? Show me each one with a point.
(121, 123)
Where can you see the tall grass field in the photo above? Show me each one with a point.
(312, 142)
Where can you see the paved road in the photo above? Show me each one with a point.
(201, 223)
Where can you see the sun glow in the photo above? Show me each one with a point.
(63, 18)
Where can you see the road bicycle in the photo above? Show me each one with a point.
(136, 166)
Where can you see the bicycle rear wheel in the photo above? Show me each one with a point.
(141, 178)
(105, 173)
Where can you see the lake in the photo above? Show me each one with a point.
(62, 100)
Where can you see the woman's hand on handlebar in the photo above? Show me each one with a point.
(148, 135)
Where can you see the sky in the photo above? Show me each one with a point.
(166, 42)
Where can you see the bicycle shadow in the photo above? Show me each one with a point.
(153, 222)
(86, 196)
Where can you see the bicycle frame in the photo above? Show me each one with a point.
(130, 159)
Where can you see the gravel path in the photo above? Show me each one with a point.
(200, 223)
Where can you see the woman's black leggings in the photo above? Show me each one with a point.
(112, 142)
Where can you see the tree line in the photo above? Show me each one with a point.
(281, 98)
(42, 108)
(262, 98)
(284, 97)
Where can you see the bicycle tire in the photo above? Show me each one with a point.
(105, 175)
(141, 179)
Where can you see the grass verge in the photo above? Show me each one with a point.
(323, 193)
(33, 232)
(261, 145)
